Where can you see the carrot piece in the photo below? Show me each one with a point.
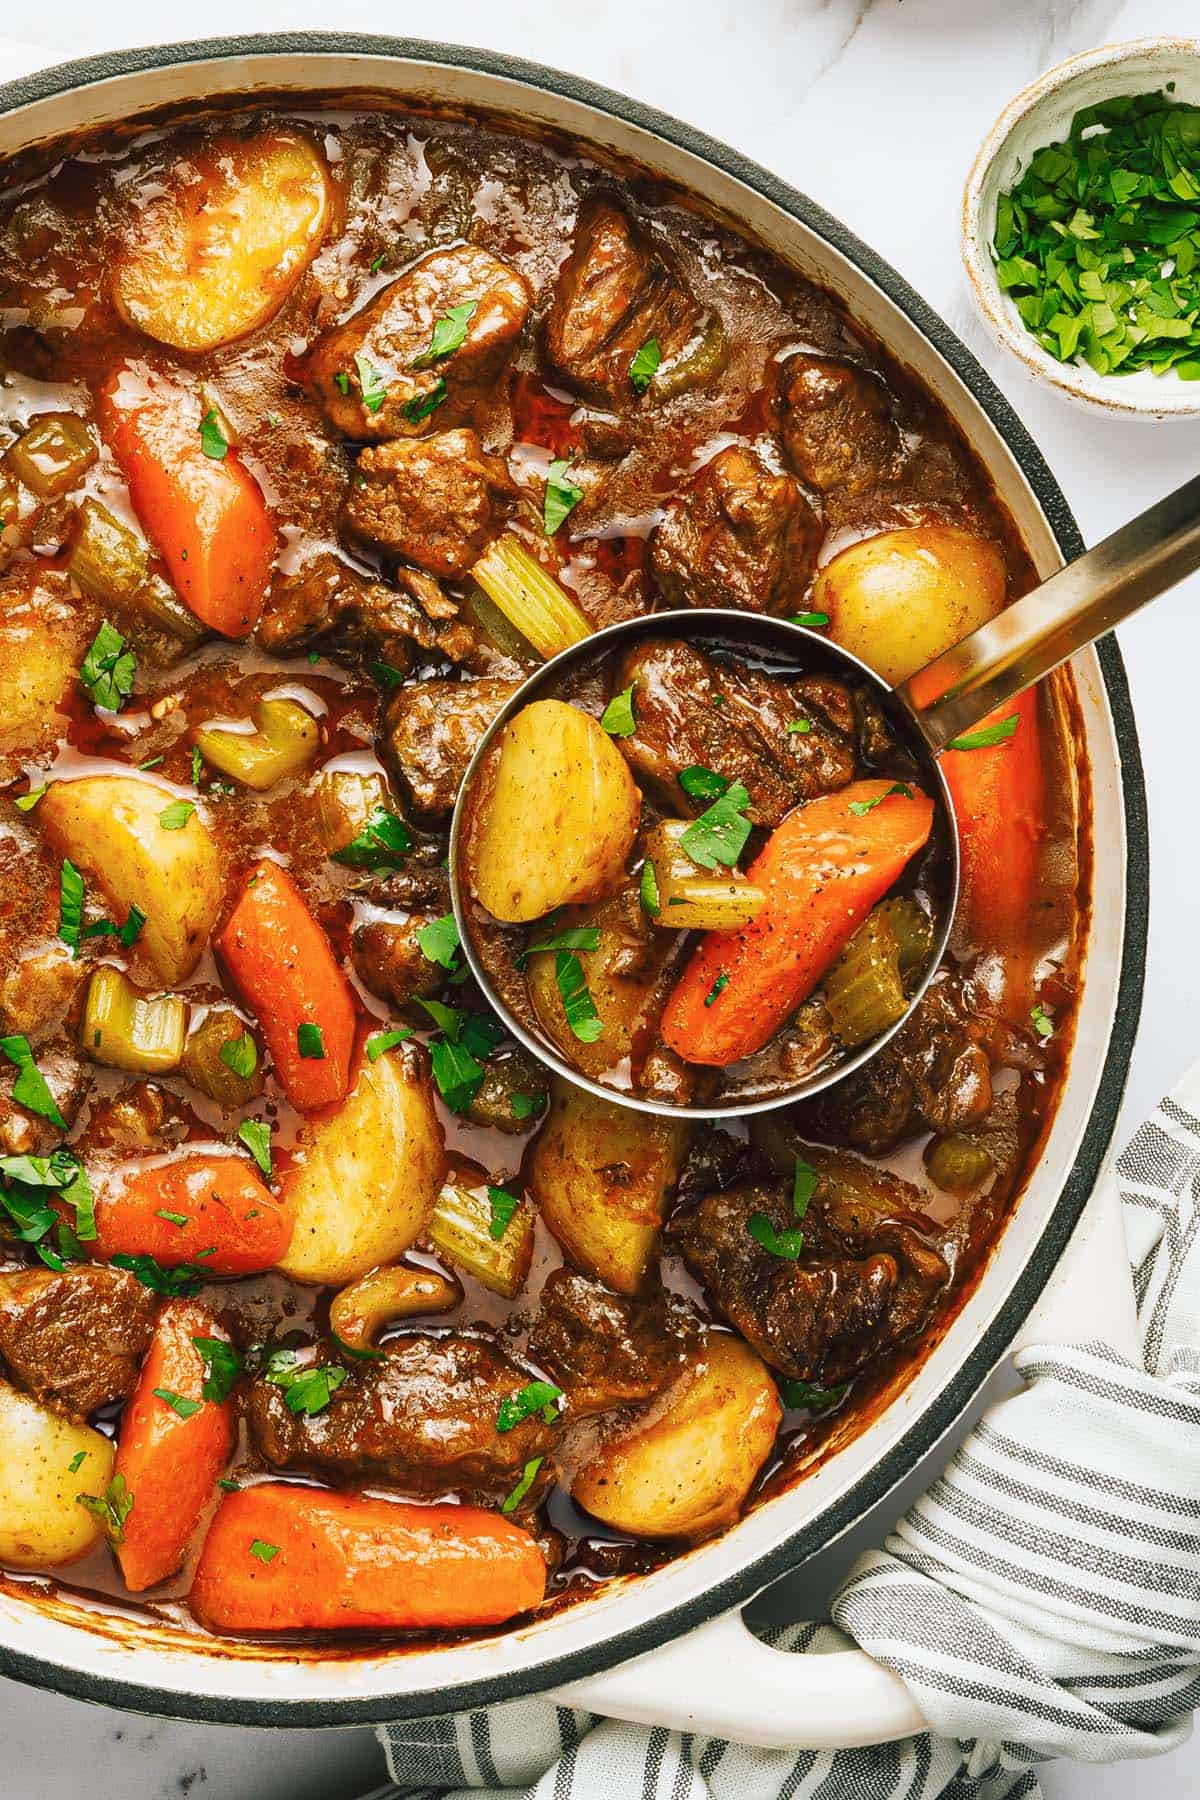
(205, 516)
(999, 797)
(822, 871)
(212, 1207)
(281, 964)
(285, 1558)
(170, 1464)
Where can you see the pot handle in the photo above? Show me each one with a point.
(722, 1681)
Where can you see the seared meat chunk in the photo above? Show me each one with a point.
(73, 1339)
(606, 1350)
(378, 348)
(866, 1277)
(390, 962)
(838, 429)
(432, 731)
(328, 601)
(691, 709)
(737, 535)
(431, 501)
(934, 1075)
(612, 296)
(422, 1418)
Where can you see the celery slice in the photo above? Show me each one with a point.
(530, 598)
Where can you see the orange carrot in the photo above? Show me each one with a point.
(822, 871)
(211, 1207)
(205, 515)
(170, 1463)
(284, 1558)
(285, 972)
(998, 795)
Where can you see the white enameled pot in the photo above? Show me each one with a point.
(697, 1666)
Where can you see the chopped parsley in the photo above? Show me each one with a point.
(27, 802)
(576, 937)
(439, 941)
(383, 1041)
(804, 1186)
(176, 816)
(576, 997)
(240, 1054)
(523, 1106)
(503, 1205)
(386, 675)
(172, 1218)
(309, 1042)
(222, 1366)
(784, 1244)
(987, 735)
(213, 441)
(457, 1054)
(813, 619)
(341, 382)
(799, 727)
(30, 1089)
(717, 989)
(644, 366)
(257, 1138)
(108, 669)
(719, 835)
(379, 262)
(381, 844)
(817, 1399)
(512, 1500)
(701, 783)
(421, 405)
(561, 498)
(112, 1508)
(25, 1185)
(372, 387)
(77, 1461)
(535, 1397)
(617, 718)
(1043, 1024)
(648, 890)
(307, 1388)
(176, 1283)
(860, 807)
(265, 1553)
(197, 765)
(178, 1403)
(449, 334)
(229, 1486)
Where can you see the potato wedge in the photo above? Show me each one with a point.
(365, 1179)
(557, 817)
(627, 976)
(110, 826)
(685, 1468)
(41, 1523)
(42, 641)
(901, 598)
(219, 252)
(600, 1176)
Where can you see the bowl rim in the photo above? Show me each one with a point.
(711, 1596)
(1170, 399)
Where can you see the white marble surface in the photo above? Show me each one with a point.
(875, 108)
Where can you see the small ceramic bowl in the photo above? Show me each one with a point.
(1042, 114)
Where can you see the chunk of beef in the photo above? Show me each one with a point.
(136, 1121)
(606, 1350)
(36, 992)
(432, 731)
(433, 501)
(733, 720)
(934, 1075)
(422, 1418)
(389, 961)
(613, 295)
(360, 619)
(379, 346)
(838, 428)
(73, 1339)
(866, 1278)
(737, 535)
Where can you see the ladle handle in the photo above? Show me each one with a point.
(1070, 610)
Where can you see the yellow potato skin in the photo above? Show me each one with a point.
(900, 598)
(41, 1523)
(557, 819)
(109, 826)
(600, 1176)
(218, 254)
(685, 1469)
(42, 641)
(366, 1178)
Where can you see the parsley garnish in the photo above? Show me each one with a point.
(176, 816)
(30, 1089)
(576, 937)
(30, 1211)
(717, 989)
(511, 1501)
(175, 1283)
(77, 1461)
(371, 385)
(229, 1486)
(784, 1244)
(576, 997)
(523, 1106)
(27, 802)
(1043, 1024)
(617, 718)
(421, 405)
(799, 727)
(386, 675)
(383, 1041)
(808, 618)
(535, 1397)
(561, 497)
(381, 844)
(503, 1205)
(341, 382)
(644, 366)
(860, 807)
(988, 735)
(648, 890)
(702, 783)
(457, 1056)
(111, 1509)
(804, 1186)
(439, 941)
(264, 1552)
(213, 441)
(449, 333)
(240, 1054)
(178, 1403)
(307, 1388)
(818, 1399)
(172, 1218)
(719, 835)
(309, 1042)
(222, 1366)
(108, 669)
(379, 262)
(257, 1138)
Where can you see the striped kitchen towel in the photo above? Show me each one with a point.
(1041, 1600)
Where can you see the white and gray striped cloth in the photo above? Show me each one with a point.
(1041, 1600)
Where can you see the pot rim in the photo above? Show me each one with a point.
(811, 1535)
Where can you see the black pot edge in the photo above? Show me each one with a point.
(939, 1417)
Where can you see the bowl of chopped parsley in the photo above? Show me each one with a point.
(1081, 228)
